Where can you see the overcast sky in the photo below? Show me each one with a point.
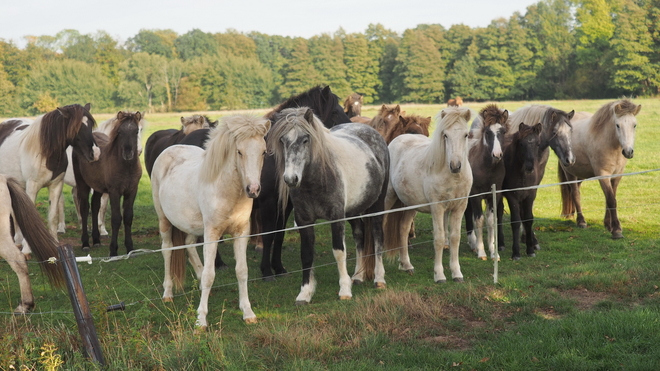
(123, 19)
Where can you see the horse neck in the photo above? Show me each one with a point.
(32, 140)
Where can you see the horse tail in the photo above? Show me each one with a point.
(42, 243)
(568, 206)
(393, 239)
(368, 251)
(178, 262)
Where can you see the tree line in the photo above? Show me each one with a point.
(558, 49)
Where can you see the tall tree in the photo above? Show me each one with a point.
(7, 95)
(159, 42)
(464, 77)
(327, 55)
(237, 44)
(383, 49)
(195, 43)
(362, 67)
(273, 52)
(298, 72)
(108, 56)
(419, 70)
(142, 77)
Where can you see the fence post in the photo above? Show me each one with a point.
(80, 304)
(495, 221)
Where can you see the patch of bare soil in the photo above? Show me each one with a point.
(585, 299)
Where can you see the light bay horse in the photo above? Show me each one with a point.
(15, 202)
(430, 170)
(209, 193)
(602, 144)
(332, 174)
(34, 153)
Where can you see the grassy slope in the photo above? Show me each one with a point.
(585, 302)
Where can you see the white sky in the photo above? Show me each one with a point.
(123, 19)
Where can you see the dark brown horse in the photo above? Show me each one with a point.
(162, 139)
(523, 163)
(353, 105)
(117, 173)
(485, 156)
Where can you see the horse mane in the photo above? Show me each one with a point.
(221, 146)
(605, 114)
(444, 119)
(530, 115)
(49, 132)
(317, 96)
(321, 152)
(489, 115)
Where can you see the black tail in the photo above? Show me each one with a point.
(42, 243)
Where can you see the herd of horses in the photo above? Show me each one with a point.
(246, 174)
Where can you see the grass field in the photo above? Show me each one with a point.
(586, 302)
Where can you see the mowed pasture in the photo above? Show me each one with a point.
(586, 302)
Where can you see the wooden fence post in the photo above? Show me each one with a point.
(80, 304)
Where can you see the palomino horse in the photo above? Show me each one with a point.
(15, 202)
(556, 134)
(209, 193)
(162, 139)
(486, 150)
(106, 128)
(332, 174)
(353, 105)
(603, 143)
(436, 171)
(34, 153)
(326, 107)
(117, 173)
(523, 169)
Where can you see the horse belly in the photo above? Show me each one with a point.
(182, 210)
(10, 153)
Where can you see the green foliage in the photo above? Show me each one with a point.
(327, 55)
(7, 95)
(143, 78)
(159, 42)
(68, 82)
(195, 43)
(419, 69)
(362, 67)
(298, 71)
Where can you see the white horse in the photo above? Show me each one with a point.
(602, 144)
(430, 170)
(15, 202)
(209, 193)
(105, 127)
(34, 153)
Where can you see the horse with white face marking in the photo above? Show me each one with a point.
(106, 128)
(332, 174)
(209, 193)
(603, 143)
(34, 153)
(485, 156)
(353, 105)
(430, 170)
(15, 202)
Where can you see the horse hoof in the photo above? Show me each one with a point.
(483, 258)
(617, 235)
(380, 285)
(441, 281)
(85, 248)
(357, 282)
(250, 321)
(582, 225)
(458, 279)
(446, 247)
(300, 303)
(515, 258)
(410, 272)
(532, 255)
(168, 300)
(345, 297)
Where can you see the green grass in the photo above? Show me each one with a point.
(586, 302)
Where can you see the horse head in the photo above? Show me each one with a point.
(195, 122)
(353, 105)
(559, 128)
(74, 123)
(493, 128)
(454, 134)
(332, 113)
(625, 123)
(529, 142)
(126, 134)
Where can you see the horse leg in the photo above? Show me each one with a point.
(115, 209)
(268, 207)
(82, 194)
(528, 222)
(102, 210)
(357, 226)
(404, 259)
(61, 224)
(240, 252)
(514, 208)
(611, 207)
(469, 226)
(165, 229)
(193, 256)
(96, 237)
(307, 258)
(438, 214)
(476, 238)
(339, 251)
(490, 223)
(500, 224)
(17, 262)
(575, 193)
(74, 194)
(256, 228)
(378, 237)
(208, 273)
(54, 196)
(278, 242)
(455, 218)
(129, 200)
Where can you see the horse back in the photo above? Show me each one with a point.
(157, 143)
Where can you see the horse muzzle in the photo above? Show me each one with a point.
(253, 190)
(292, 181)
(455, 167)
(628, 153)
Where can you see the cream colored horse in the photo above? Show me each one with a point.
(209, 193)
(430, 170)
(602, 145)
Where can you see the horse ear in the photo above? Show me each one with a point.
(443, 114)
(397, 108)
(120, 115)
(309, 116)
(182, 120)
(138, 116)
(617, 109)
(88, 106)
(62, 112)
(505, 116)
(538, 128)
(467, 115)
(267, 125)
(326, 90)
(383, 108)
(639, 108)
(521, 127)
(470, 135)
(571, 114)
(403, 121)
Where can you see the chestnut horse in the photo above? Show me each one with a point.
(353, 105)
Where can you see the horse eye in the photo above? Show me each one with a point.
(239, 153)
(617, 126)
(466, 135)
(634, 126)
(263, 154)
